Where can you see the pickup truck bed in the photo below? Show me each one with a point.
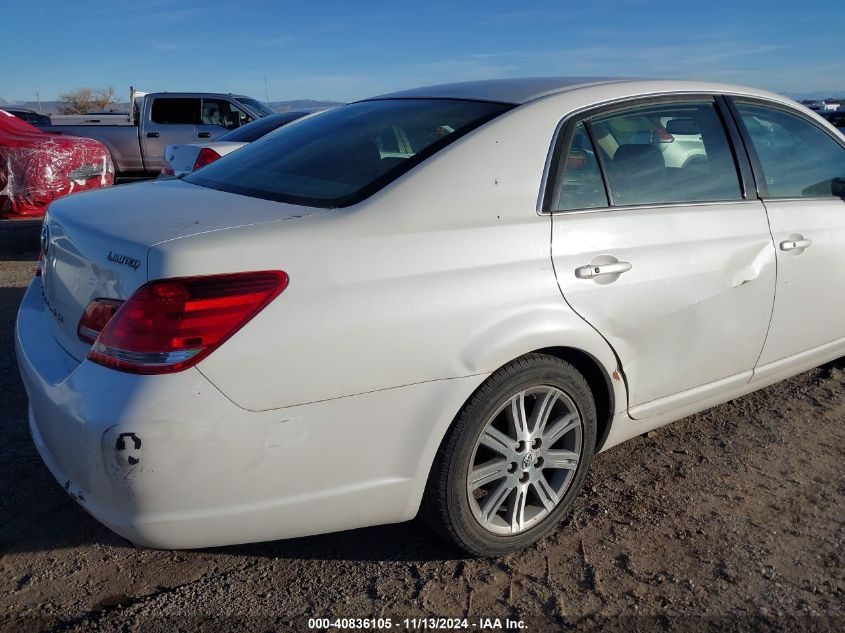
(122, 142)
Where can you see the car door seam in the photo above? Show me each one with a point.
(774, 294)
(619, 367)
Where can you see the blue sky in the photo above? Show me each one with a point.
(353, 49)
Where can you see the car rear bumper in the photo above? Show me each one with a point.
(168, 461)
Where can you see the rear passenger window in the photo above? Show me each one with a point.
(223, 113)
(799, 160)
(175, 111)
(675, 152)
(579, 181)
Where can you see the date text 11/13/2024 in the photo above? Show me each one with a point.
(429, 623)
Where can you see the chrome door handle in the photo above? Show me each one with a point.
(589, 272)
(791, 245)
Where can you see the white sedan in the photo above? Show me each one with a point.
(448, 298)
(185, 158)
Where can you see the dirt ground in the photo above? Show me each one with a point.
(728, 520)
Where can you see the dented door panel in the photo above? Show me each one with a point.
(695, 305)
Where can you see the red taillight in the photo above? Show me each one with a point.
(95, 318)
(171, 324)
(205, 157)
(576, 160)
(663, 135)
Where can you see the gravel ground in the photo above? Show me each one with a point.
(728, 520)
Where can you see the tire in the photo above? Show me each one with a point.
(531, 485)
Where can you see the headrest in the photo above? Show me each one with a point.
(639, 160)
(684, 126)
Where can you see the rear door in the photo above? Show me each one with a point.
(657, 246)
(797, 163)
(169, 121)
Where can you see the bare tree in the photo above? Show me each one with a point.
(104, 98)
(84, 100)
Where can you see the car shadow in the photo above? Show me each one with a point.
(20, 240)
(35, 513)
(412, 541)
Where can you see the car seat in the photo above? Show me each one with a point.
(637, 174)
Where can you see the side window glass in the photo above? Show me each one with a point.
(168, 110)
(799, 160)
(223, 113)
(673, 152)
(579, 182)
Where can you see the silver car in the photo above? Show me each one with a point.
(185, 158)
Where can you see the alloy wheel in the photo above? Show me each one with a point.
(524, 460)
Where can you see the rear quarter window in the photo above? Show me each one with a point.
(579, 183)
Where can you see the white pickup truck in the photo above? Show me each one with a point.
(160, 119)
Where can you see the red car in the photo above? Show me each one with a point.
(37, 167)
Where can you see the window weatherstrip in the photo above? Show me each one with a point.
(754, 159)
(608, 193)
(747, 177)
(562, 138)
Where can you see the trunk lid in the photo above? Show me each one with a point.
(96, 244)
(179, 159)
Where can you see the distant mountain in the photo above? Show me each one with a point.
(301, 104)
(47, 107)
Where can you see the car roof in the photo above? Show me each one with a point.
(519, 91)
(198, 95)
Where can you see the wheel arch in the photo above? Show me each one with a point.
(598, 380)
(540, 331)
(558, 332)
(438, 502)
(607, 390)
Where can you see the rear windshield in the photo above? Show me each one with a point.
(345, 155)
(255, 130)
